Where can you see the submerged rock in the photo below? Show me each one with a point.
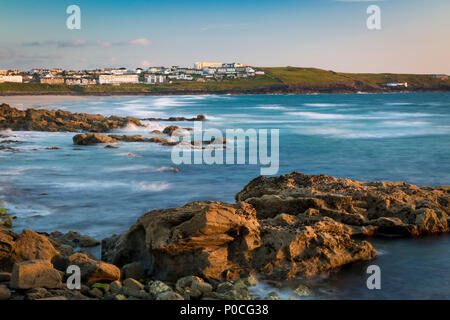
(92, 138)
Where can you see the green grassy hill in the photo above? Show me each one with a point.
(275, 80)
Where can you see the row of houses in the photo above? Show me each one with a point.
(201, 71)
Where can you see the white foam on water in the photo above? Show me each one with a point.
(326, 105)
(398, 104)
(407, 123)
(270, 107)
(326, 116)
(156, 186)
(89, 184)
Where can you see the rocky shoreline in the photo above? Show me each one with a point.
(292, 226)
(92, 127)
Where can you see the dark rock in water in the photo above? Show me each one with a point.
(96, 138)
(11, 141)
(200, 117)
(92, 138)
(59, 120)
(138, 138)
(110, 146)
(5, 148)
(170, 130)
(52, 148)
(156, 132)
(282, 227)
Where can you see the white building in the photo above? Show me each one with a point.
(203, 65)
(17, 79)
(118, 79)
(396, 84)
(154, 79)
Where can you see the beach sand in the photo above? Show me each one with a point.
(39, 101)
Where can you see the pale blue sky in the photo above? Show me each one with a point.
(312, 33)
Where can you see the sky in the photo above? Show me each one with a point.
(328, 34)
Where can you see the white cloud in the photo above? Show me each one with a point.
(140, 42)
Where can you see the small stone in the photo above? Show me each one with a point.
(140, 294)
(96, 292)
(157, 287)
(133, 284)
(37, 293)
(192, 287)
(120, 297)
(55, 298)
(250, 281)
(102, 286)
(302, 291)
(115, 287)
(272, 296)
(169, 295)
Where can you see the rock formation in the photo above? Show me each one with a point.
(293, 225)
(59, 120)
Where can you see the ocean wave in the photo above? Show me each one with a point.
(407, 123)
(346, 133)
(326, 116)
(270, 107)
(394, 104)
(369, 116)
(326, 105)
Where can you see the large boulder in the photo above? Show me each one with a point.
(35, 274)
(28, 245)
(216, 240)
(209, 239)
(281, 227)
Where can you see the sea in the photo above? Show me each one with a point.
(376, 137)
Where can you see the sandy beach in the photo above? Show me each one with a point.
(39, 100)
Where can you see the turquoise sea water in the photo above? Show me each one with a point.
(98, 191)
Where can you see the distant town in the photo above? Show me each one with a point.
(200, 72)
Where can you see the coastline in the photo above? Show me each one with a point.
(21, 100)
(209, 92)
